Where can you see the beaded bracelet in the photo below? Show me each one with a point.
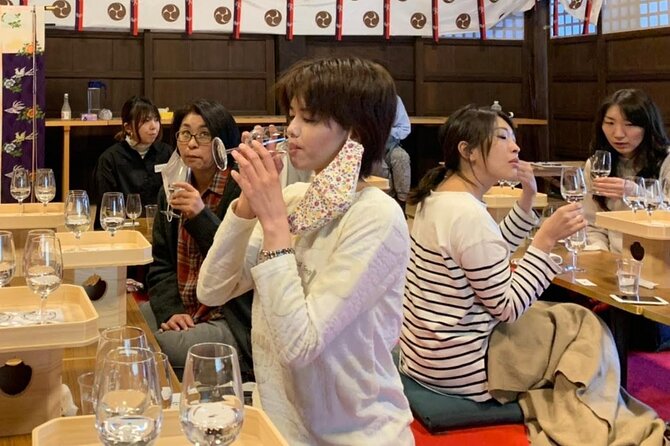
(264, 255)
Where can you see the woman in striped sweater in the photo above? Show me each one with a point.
(459, 283)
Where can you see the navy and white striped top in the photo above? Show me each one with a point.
(460, 286)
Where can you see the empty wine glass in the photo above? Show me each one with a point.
(665, 187)
(128, 408)
(212, 403)
(184, 175)
(633, 193)
(43, 269)
(112, 212)
(601, 164)
(45, 186)
(77, 212)
(573, 187)
(575, 243)
(272, 137)
(20, 186)
(133, 207)
(164, 378)
(7, 264)
(653, 195)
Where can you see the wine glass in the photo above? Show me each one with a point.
(43, 269)
(653, 195)
(182, 175)
(601, 164)
(665, 187)
(45, 186)
(20, 185)
(133, 207)
(575, 243)
(633, 193)
(164, 378)
(573, 187)
(77, 212)
(7, 264)
(112, 212)
(128, 408)
(273, 137)
(211, 409)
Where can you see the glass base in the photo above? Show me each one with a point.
(4, 317)
(572, 269)
(34, 316)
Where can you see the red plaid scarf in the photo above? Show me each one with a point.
(189, 258)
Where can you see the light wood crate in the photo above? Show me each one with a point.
(34, 216)
(257, 430)
(39, 349)
(652, 234)
(499, 201)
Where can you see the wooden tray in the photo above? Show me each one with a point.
(257, 430)
(637, 224)
(33, 215)
(80, 326)
(100, 249)
(505, 197)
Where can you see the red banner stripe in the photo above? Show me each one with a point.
(134, 19)
(289, 19)
(555, 17)
(387, 19)
(436, 22)
(237, 19)
(189, 17)
(338, 20)
(587, 16)
(79, 16)
(481, 13)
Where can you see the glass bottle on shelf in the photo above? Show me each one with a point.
(66, 111)
(496, 106)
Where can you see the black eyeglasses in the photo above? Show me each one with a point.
(201, 138)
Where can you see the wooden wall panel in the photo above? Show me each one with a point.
(572, 137)
(574, 58)
(577, 99)
(240, 96)
(634, 57)
(442, 98)
(473, 58)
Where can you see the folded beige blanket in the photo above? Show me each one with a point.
(560, 362)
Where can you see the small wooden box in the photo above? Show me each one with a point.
(34, 215)
(31, 357)
(257, 430)
(98, 256)
(499, 200)
(652, 234)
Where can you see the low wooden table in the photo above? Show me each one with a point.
(82, 359)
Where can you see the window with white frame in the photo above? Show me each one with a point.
(565, 25)
(631, 15)
(509, 28)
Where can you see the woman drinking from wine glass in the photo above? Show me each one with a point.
(472, 328)
(630, 128)
(325, 259)
(180, 245)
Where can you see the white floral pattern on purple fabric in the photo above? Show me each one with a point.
(331, 193)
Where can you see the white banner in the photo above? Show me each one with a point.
(162, 15)
(411, 18)
(458, 16)
(213, 15)
(363, 18)
(106, 14)
(577, 9)
(495, 12)
(63, 14)
(263, 17)
(314, 17)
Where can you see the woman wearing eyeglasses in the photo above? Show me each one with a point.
(129, 166)
(180, 245)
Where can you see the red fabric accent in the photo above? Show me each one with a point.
(237, 14)
(501, 435)
(338, 20)
(134, 23)
(189, 17)
(481, 13)
(436, 22)
(289, 19)
(555, 17)
(79, 15)
(387, 19)
(24, 2)
(587, 16)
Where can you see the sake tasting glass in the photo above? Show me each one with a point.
(19, 187)
(112, 212)
(575, 243)
(271, 137)
(601, 164)
(211, 408)
(77, 212)
(573, 187)
(133, 207)
(653, 195)
(45, 186)
(164, 378)
(128, 407)
(633, 193)
(7, 264)
(665, 186)
(43, 270)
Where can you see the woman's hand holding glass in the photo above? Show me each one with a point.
(186, 199)
(561, 224)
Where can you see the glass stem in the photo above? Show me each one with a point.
(43, 304)
(573, 256)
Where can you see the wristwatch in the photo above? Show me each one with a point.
(264, 255)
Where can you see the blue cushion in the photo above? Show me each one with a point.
(439, 413)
